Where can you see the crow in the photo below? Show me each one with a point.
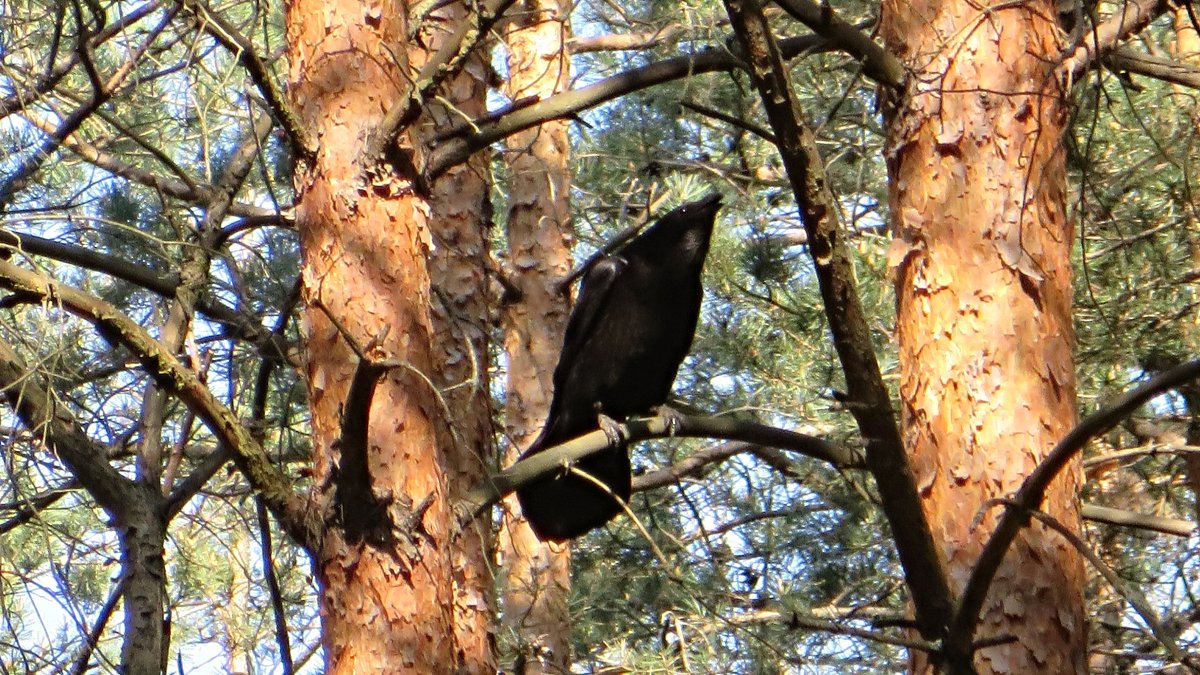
(631, 327)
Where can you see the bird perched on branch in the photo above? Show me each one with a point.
(631, 327)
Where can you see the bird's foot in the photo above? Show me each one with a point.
(673, 418)
(611, 428)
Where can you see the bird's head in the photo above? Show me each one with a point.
(684, 232)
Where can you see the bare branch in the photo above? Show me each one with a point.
(483, 496)
(102, 92)
(239, 324)
(1131, 594)
(580, 44)
(92, 639)
(793, 620)
(1131, 17)
(40, 411)
(230, 38)
(1157, 67)
(22, 98)
(199, 194)
(442, 66)
(456, 144)
(1140, 521)
(878, 63)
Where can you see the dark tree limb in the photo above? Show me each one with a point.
(1029, 497)
(447, 62)
(243, 50)
(731, 120)
(1129, 18)
(102, 91)
(458, 143)
(29, 507)
(362, 513)
(262, 389)
(869, 399)
(277, 609)
(878, 63)
(1157, 67)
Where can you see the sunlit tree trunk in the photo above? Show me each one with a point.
(537, 575)
(367, 241)
(987, 382)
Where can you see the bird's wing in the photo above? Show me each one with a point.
(594, 294)
(589, 305)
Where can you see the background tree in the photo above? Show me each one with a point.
(182, 183)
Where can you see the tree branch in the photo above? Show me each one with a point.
(198, 194)
(456, 144)
(1140, 521)
(487, 494)
(1157, 67)
(295, 513)
(878, 63)
(165, 285)
(793, 620)
(243, 50)
(869, 399)
(443, 65)
(1131, 595)
(39, 411)
(22, 99)
(581, 44)
(1131, 17)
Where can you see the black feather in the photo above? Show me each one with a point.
(632, 326)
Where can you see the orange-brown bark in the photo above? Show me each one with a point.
(367, 246)
(460, 219)
(984, 305)
(537, 575)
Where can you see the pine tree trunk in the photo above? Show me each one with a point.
(983, 284)
(460, 219)
(367, 238)
(538, 580)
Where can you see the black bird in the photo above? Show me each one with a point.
(631, 327)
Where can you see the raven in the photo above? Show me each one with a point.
(631, 327)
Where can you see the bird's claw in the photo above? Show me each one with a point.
(611, 429)
(671, 416)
